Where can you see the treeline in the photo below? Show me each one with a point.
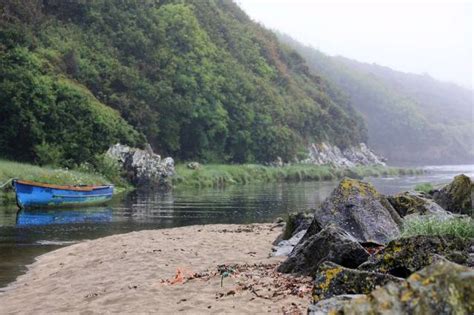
(195, 79)
(411, 118)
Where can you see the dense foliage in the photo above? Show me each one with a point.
(410, 118)
(198, 79)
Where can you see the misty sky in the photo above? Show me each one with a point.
(410, 36)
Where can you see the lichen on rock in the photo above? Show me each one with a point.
(457, 196)
(332, 280)
(408, 203)
(404, 256)
(356, 207)
(441, 288)
(330, 244)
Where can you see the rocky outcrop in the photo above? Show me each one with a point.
(325, 153)
(330, 244)
(404, 256)
(357, 208)
(143, 168)
(409, 203)
(332, 279)
(441, 288)
(457, 196)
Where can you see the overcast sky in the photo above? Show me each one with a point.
(410, 36)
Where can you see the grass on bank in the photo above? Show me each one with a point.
(218, 175)
(431, 225)
(424, 187)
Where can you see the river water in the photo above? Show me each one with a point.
(27, 234)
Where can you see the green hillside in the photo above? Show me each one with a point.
(411, 118)
(195, 79)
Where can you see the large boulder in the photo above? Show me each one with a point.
(457, 196)
(332, 280)
(330, 244)
(143, 168)
(441, 288)
(409, 203)
(404, 256)
(357, 208)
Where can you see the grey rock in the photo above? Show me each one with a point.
(330, 244)
(332, 279)
(402, 257)
(332, 305)
(296, 222)
(143, 169)
(457, 196)
(410, 203)
(285, 247)
(441, 288)
(193, 165)
(358, 208)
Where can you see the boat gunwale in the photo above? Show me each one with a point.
(87, 188)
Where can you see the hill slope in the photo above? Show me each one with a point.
(411, 118)
(198, 79)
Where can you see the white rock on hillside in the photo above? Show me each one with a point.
(143, 167)
(325, 153)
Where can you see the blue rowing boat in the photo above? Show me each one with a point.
(31, 194)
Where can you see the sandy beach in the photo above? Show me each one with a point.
(208, 269)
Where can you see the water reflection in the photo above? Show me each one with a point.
(61, 216)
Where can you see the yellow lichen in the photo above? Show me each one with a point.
(406, 296)
(415, 277)
(329, 274)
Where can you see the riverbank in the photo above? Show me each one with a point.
(218, 175)
(58, 176)
(160, 271)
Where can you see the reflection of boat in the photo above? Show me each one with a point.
(50, 216)
(31, 194)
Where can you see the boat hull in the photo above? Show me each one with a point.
(35, 195)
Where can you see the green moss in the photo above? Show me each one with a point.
(424, 187)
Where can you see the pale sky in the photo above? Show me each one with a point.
(411, 36)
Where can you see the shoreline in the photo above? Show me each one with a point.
(209, 175)
(162, 271)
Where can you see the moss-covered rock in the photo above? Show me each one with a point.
(358, 208)
(456, 197)
(332, 280)
(409, 203)
(295, 223)
(330, 244)
(404, 256)
(441, 288)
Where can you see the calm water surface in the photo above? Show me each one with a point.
(27, 234)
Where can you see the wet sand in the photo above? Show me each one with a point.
(209, 269)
